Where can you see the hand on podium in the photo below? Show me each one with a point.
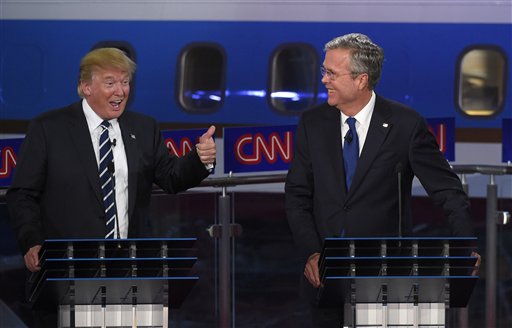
(477, 264)
(32, 258)
(311, 271)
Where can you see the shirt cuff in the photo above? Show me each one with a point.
(209, 167)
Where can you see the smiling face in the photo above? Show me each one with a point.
(107, 92)
(344, 91)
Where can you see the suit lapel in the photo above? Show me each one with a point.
(82, 145)
(380, 125)
(332, 130)
(129, 136)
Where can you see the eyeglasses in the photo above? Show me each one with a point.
(330, 74)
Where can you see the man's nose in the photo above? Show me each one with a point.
(325, 79)
(119, 90)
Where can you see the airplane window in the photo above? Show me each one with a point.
(293, 78)
(201, 78)
(481, 81)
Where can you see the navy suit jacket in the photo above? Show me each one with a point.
(56, 191)
(318, 204)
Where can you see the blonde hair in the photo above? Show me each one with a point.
(103, 58)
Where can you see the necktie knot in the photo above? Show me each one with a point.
(351, 123)
(105, 125)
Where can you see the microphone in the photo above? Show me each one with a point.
(398, 170)
(114, 141)
(112, 169)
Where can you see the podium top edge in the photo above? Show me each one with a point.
(140, 244)
(383, 278)
(118, 240)
(400, 238)
(400, 257)
(170, 278)
(121, 259)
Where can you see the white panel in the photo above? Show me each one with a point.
(453, 11)
(148, 315)
(400, 315)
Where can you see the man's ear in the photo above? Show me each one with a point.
(86, 88)
(363, 81)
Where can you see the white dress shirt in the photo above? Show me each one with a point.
(120, 162)
(363, 119)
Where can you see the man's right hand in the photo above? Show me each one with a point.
(32, 258)
(311, 270)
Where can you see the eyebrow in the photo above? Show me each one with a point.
(110, 77)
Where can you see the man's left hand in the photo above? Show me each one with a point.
(206, 148)
(477, 264)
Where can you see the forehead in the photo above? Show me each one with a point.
(110, 73)
(337, 58)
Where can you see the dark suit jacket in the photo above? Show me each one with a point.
(56, 191)
(317, 202)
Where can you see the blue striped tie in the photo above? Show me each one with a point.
(350, 151)
(107, 180)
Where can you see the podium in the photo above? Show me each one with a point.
(406, 282)
(91, 275)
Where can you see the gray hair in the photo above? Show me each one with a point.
(366, 56)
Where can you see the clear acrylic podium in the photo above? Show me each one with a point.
(391, 282)
(114, 282)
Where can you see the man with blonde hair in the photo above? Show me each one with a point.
(87, 170)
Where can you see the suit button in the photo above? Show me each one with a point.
(346, 208)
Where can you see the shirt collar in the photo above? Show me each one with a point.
(93, 120)
(365, 114)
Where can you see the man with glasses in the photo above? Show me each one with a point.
(343, 181)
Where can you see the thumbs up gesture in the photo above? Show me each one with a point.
(206, 148)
